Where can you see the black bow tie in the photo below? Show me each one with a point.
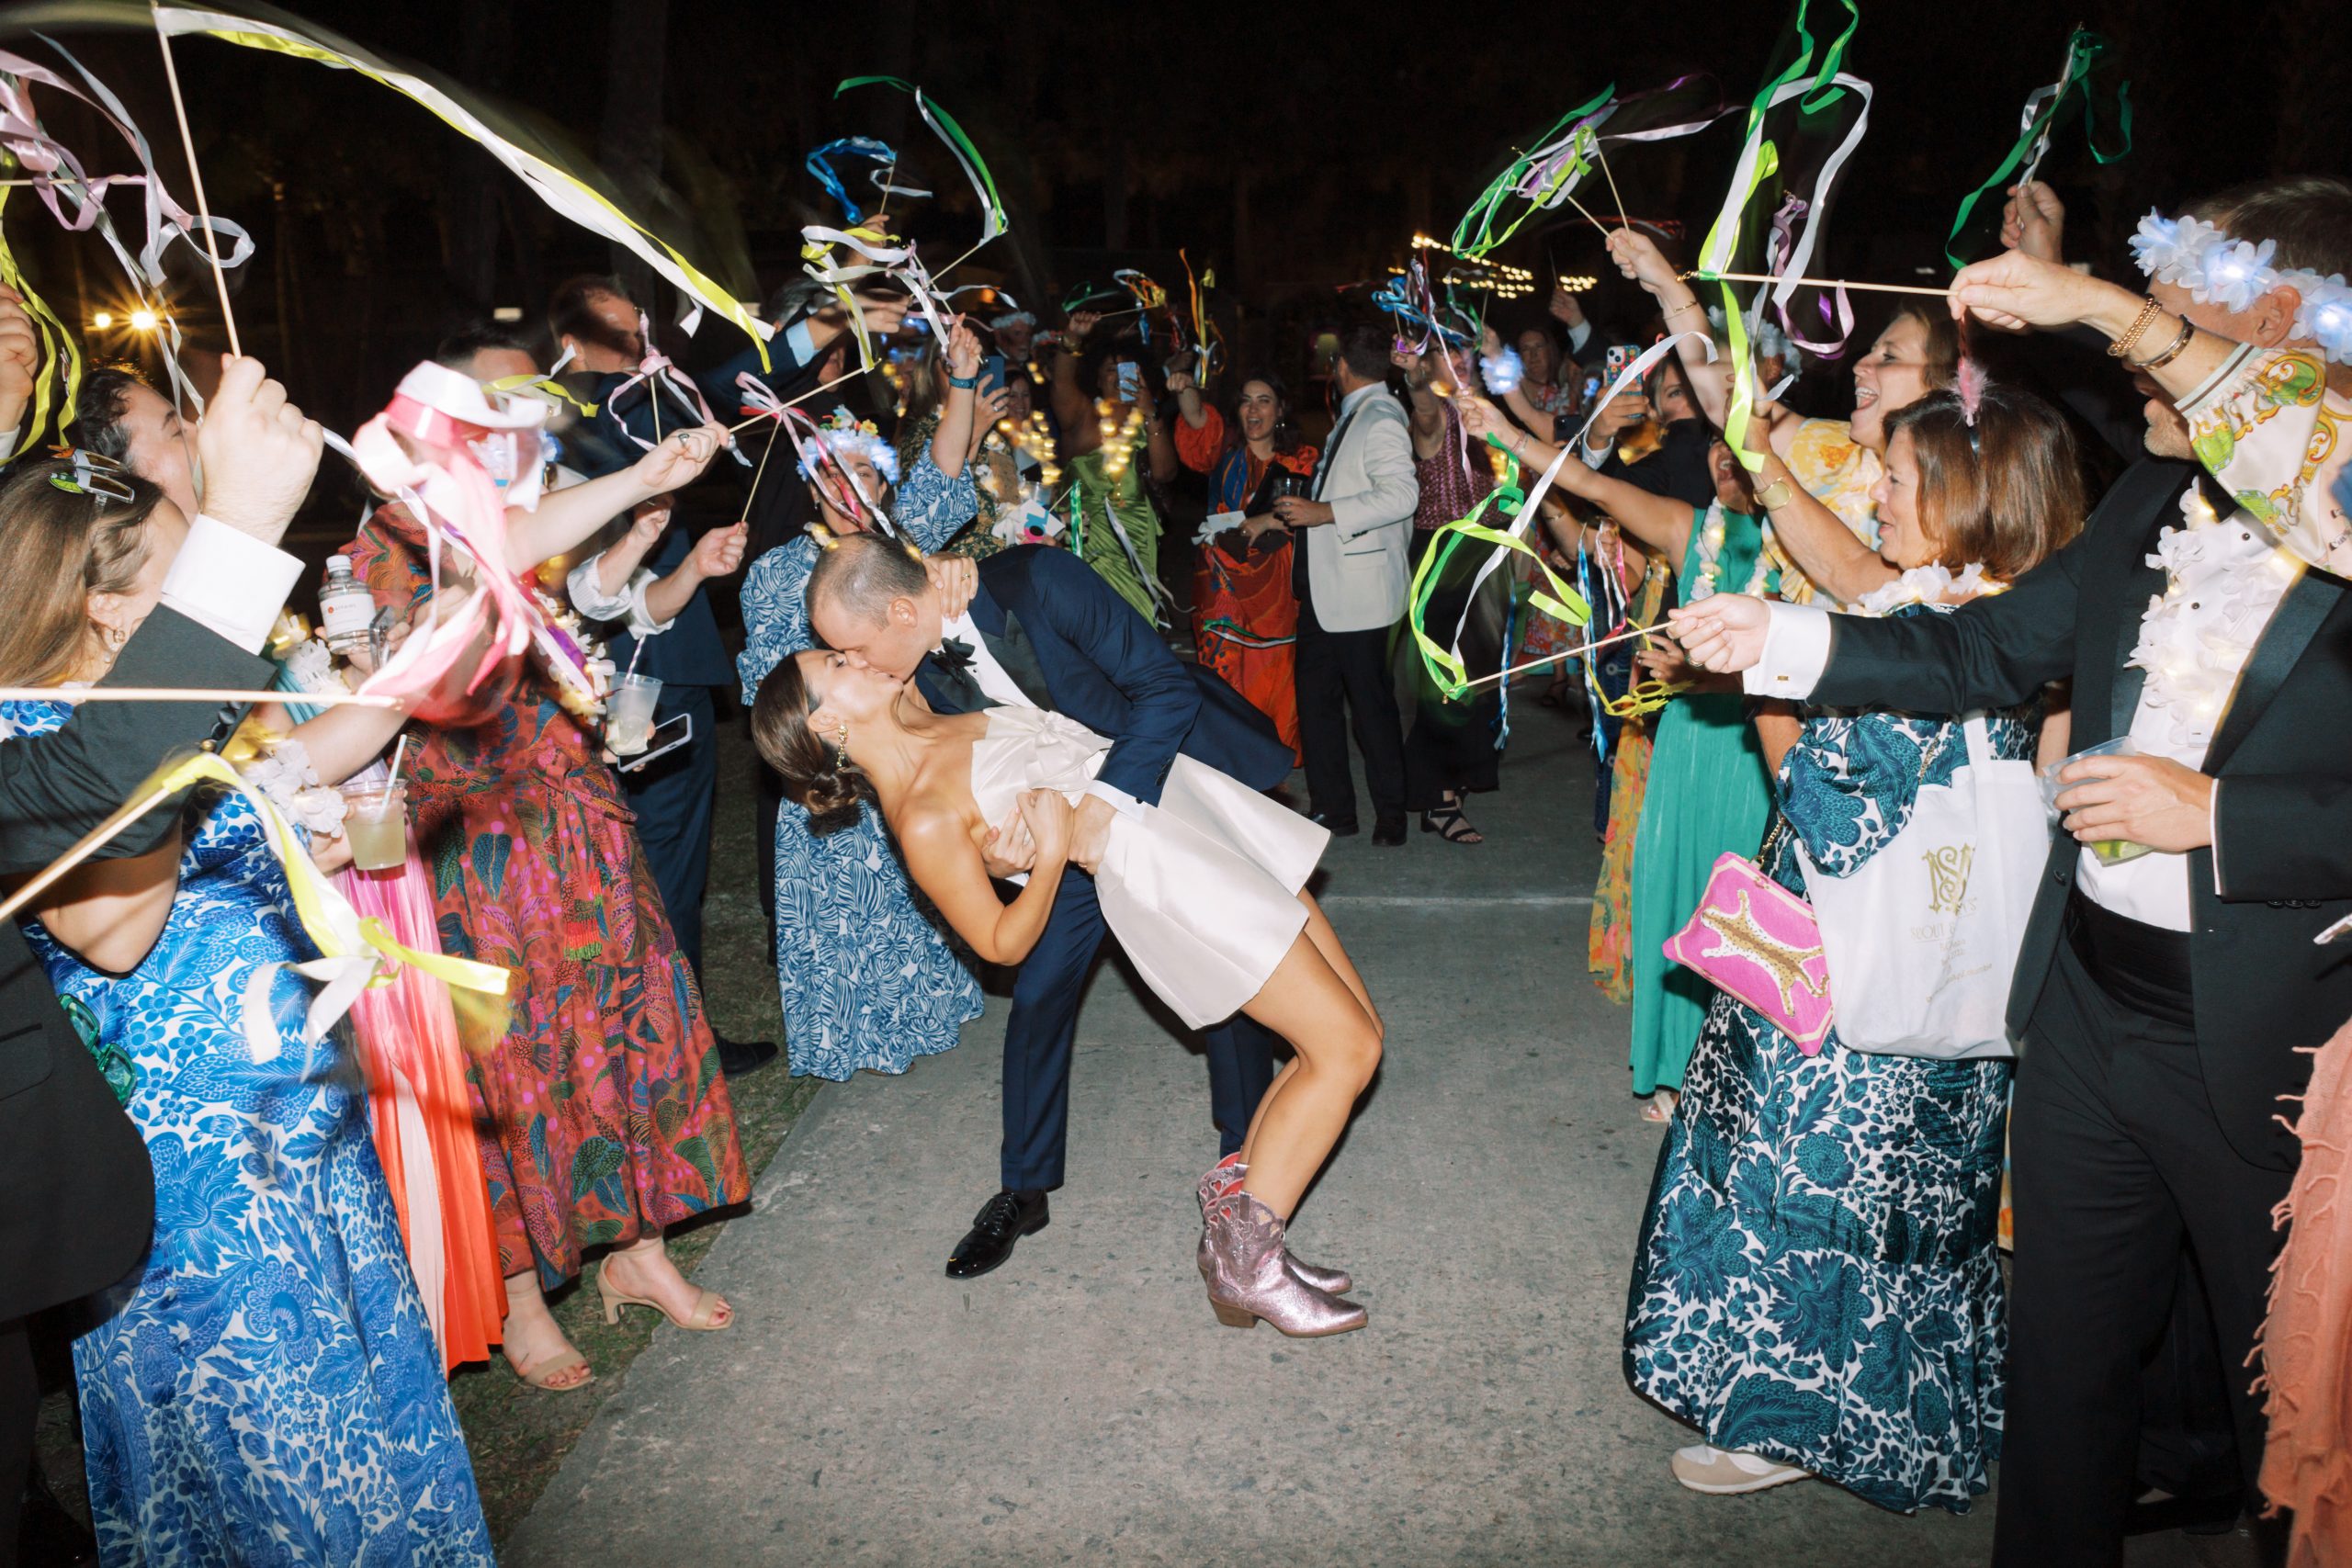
(954, 653)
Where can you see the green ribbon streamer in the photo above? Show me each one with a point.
(976, 168)
(1721, 244)
(1448, 673)
(2084, 51)
(1475, 237)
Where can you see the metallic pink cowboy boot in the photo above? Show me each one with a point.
(1248, 1279)
(1226, 1176)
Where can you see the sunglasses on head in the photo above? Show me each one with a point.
(102, 479)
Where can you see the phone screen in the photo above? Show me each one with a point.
(667, 736)
(1130, 380)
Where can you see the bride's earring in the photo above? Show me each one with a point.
(841, 746)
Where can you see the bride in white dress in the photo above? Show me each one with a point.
(1205, 891)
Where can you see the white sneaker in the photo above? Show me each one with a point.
(1719, 1472)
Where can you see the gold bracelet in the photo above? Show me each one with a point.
(2172, 350)
(2149, 311)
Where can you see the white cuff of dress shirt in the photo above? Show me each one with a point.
(8, 438)
(230, 582)
(1578, 335)
(1796, 650)
(1125, 805)
(585, 586)
(801, 341)
(2213, 831)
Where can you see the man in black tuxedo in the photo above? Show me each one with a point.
(2160, 1004)
(80, 1193)
(1044, 630)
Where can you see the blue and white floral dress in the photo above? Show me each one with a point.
(1817, 1279)
(267, 1390)
(867, 974)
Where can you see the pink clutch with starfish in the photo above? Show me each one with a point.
(1757, 940)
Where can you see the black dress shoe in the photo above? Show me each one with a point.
(2216, 1515)
(738, 1058)
(1388, 833)
(1338, 827)
(1002, 1221)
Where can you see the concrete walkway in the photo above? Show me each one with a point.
(1082, 1406)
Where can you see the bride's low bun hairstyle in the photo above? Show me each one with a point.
(816, 776)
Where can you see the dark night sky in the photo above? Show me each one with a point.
(1292, 147)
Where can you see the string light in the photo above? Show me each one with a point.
(1119, 439)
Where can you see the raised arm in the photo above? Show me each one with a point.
(1638, 257)
(567, 516)
(1660, 522)
(951, 444)
(1993, 652)
(1817, 538)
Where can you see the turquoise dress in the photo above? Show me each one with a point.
(267, 1388)
(867, 976)
(1709, 791)
(1817, 1278)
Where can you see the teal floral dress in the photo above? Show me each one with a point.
(266, 1389)
(1817, 1279)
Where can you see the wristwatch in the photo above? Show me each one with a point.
(1777, 494)
(962, 383)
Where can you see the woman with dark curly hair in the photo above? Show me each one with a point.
(1245, 615)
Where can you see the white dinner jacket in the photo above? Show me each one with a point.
(1356, 571)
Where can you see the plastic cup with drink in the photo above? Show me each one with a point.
(629, 713)
(2110, 852)
(375, 820)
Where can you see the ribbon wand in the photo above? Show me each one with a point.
(1551, 658)
(196, 182)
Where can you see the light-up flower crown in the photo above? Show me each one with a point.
(845, 437)
(2218, 269)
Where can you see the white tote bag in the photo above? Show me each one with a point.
(1922, 940)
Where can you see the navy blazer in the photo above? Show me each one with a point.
(691, 652)
(1104, 666)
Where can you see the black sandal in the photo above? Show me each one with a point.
(1448, 823)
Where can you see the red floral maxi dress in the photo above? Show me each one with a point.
(602, 1114)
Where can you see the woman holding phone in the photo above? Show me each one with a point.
(1111, 430)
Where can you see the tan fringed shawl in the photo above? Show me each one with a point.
(2306, 1342)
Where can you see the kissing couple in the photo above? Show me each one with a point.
(1046, 735)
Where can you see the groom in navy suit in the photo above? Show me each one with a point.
(1044, 630)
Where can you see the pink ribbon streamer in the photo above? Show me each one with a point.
(653, 371)
(815, 457)
(1779, 246)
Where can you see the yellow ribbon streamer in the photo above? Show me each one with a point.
(332, 925)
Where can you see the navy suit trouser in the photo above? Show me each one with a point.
(1040, 1033)
(674, 798)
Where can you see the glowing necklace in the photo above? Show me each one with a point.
(1710, 550)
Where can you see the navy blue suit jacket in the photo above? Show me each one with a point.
(1104, 666)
